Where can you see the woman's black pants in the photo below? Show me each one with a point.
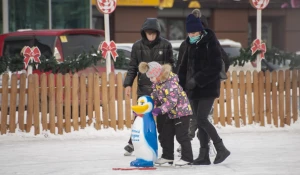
(201, 108)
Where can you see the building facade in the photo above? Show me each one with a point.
(234, 20)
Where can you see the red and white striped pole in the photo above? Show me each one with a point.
(106, 7)
(259, 5)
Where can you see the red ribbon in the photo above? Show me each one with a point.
(29, 54)
(109, 47)
(257, 45)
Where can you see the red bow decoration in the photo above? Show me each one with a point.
(109, 47)
(257, 45)
(29, 54)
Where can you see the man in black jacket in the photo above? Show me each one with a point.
(151, 47)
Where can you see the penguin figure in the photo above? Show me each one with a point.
(143, 134)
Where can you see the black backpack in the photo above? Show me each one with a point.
(225, 63)
(225, 58)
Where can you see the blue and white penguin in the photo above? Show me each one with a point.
(143, 134)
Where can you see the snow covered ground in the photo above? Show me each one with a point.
(254, 150)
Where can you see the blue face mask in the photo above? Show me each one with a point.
(194, 39)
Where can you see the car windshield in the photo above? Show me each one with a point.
(232, 51)
(79, 43)
(14, 44)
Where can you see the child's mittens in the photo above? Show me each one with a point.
(156, 111)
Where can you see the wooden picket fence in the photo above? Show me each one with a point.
(54, 102)
(262, 97)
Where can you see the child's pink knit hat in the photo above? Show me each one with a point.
(152, 69)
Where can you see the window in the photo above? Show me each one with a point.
(122, 61)
(175, 57)
(172, 29)
(76, 44)
(176, 29)
(45, 44)
(34, 14)
(232, 51)
(267, 35)
(14, 45)
(29, 14)
(250, 34)
(98, 19)
(68, 14)
(98, 23)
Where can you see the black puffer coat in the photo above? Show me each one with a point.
(159, 50)
(202, 63)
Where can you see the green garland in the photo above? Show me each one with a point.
(84, 60)
(244, 57)
(273, 55)
(70, 64)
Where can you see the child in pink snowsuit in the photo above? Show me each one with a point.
(174, 102)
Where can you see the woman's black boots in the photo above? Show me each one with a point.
(222, 152)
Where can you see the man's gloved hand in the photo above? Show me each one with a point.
(156, 111)
(191, 84)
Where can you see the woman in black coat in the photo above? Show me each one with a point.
(182, 47)
(199, 75)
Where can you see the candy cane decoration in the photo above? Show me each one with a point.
(106, 6)
(259, 4)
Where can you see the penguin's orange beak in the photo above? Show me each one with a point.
(140, 109)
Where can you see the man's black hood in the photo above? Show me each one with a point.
(150, 24)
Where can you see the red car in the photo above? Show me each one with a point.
(61, 43)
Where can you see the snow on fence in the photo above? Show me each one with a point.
(54, 102)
